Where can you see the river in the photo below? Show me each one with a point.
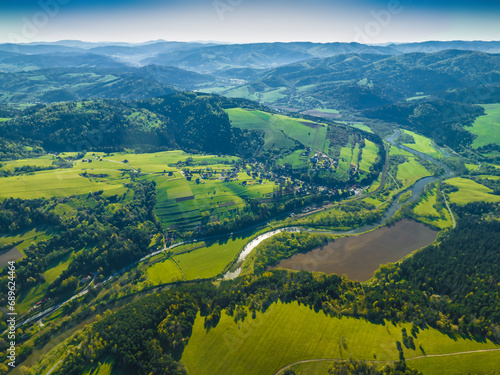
(416, 190)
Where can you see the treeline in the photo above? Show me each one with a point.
(188, 121)
(110, 238)
(354, 214)
(18, 214)
(25, 169)
(255, 213)
(354, 367)
(19, 149)
(453, 285)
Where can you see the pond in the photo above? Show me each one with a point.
(360, 256)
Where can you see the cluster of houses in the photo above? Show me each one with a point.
(323, 161)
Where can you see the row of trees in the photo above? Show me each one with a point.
(109, 238)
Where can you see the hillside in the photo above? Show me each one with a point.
(189, 121)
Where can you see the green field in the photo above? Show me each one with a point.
(411, 171)
(280, 130)
(472, 167)
(423, 145)
(473, 363)
(487, 127)
(109, 173)
(293, 333)
(361, 127)
(470, 191)
(211, 260)
(368, 156)
(427, 212)
(164, 272)
(328, 110)
(298, 159)
(27, 236)
(198, 260)
(181, 203)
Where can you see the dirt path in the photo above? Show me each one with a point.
(119, 162)
(449, 209)
(281, 370)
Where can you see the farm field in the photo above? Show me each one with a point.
(182, 203)
(211, 260)
(179, 202)
(472, 363)
(427, 212)
(470, 191)
(423, 145)
(411, 171)
(193, 261)
(368, 156)
(59, 183)
(280, 131)
(298, 159)
(302, 334)
(487, 127)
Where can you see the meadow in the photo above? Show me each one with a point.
(199, 260)
(279, 130)
(368, 156)
(410, 172)
(293, 333)
(423, 145)
(487, 127)
(427, 212)
(470, 191)
(180, 203)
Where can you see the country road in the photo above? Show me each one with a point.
(284, 368)
(449, 209)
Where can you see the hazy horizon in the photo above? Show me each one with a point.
(245, 21)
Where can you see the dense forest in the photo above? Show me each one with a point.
(192, 122)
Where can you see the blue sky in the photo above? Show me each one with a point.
(245, 21)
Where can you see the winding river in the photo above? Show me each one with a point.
(416, 190)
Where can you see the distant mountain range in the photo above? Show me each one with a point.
(400, 83)
(209, 57)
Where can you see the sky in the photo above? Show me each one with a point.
(248, 21)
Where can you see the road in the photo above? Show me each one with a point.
(284, 368)
(449, 209)
(54, 367)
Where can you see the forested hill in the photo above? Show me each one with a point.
(192, 122)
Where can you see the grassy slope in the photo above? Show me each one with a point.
(292, 333)
(470, 191)
(487, 128)
(211, 260)
(368, 156)
(423, 144)
(428, 213)
(462, 364)
(279, 130)
(411, 171)
(27, 236)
